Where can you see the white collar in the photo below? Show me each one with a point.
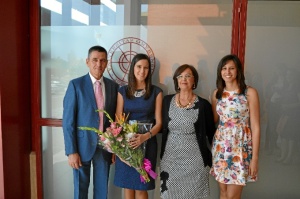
(94, 79)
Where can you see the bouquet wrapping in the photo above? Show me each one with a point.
(116, 140)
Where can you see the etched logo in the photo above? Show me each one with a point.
(120, 55)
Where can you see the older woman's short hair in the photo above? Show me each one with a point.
(182, 68)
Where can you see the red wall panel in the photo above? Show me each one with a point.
(15, 98)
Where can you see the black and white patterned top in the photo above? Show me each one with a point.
(183, 174)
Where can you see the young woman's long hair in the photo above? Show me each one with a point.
(132, 79)
(240, 75)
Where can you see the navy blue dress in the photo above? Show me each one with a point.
(141, 110)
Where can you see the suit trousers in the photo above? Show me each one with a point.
(100, 177)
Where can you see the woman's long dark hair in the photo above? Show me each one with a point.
(132, 80)
(240, 75)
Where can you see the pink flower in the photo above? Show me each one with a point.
(223, 150)
(227, 143)
(113, 125)
(230, 124)
(116, 131)
(102, 138)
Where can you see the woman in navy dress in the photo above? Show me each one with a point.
(143, 102)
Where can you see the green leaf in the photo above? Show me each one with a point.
(106, 113)
(91, 129)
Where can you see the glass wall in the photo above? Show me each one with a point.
(272, 66)
(171, 32)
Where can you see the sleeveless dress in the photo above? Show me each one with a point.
(182, 161)
(232, 143)
(141, 110)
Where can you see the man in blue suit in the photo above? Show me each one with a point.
(80, 110)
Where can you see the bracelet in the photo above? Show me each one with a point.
(150, 134)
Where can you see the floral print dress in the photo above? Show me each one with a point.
(232, 144)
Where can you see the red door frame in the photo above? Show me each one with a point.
(37, 120)
(237, 47)
(1, 157)
(239, 19)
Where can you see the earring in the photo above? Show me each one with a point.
(194, 86)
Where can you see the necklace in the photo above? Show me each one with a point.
(184, 106)
(139, 93)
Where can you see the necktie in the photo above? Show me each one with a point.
(100, 102)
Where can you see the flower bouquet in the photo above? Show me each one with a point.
(116, 140)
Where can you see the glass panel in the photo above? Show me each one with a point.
(194, 33)
(57, 174)
(272, 67)
(172, 33)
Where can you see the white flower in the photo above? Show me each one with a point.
(129, 135)
(106, 141)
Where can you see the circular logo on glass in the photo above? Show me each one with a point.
(120, 55)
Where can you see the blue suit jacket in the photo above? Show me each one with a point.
(80, 110)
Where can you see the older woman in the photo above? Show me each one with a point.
(187, 122)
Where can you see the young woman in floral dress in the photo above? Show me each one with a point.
(236, 141)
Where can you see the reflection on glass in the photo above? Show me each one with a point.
(202, 30)
(275, 75)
